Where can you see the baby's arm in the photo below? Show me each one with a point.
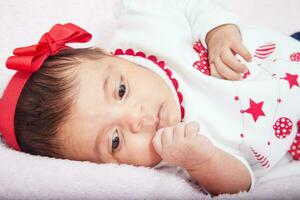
(222, 174)
(215, 170)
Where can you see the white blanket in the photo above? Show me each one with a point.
(23, 176)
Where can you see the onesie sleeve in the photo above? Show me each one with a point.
(205, 15)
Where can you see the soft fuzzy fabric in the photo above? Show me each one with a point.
(24, 176)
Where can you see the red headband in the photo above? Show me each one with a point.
(27, 60)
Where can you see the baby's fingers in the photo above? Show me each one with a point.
(242, 51)
(214, 72)
(156, 141)
(162, 140)
(178, 133)
(167, 137)
(230, 60)
(191, 129)
(226, 71)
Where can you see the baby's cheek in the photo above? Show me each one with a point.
(140, 151)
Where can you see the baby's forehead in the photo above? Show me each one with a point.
(91, 93)
(93, 68)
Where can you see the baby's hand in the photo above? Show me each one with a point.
(223, 43)
(182, 145)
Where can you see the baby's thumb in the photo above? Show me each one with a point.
(156, 141)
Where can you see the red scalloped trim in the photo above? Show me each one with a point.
(160, 64)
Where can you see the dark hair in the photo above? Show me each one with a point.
(46, 101)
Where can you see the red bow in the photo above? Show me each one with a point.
(32, 57)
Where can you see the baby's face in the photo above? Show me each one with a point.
(116, 113)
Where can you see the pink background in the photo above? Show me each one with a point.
(281, 15)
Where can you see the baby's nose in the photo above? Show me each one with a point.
(135, 124)
(143, 123)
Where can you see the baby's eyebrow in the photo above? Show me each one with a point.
(104, 88)
(102, 144)
(106, 76)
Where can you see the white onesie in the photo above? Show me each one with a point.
(255, 119)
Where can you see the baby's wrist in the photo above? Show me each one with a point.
(209, 159)
(211, 33)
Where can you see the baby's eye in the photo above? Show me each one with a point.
(122, 89)
(115, 140)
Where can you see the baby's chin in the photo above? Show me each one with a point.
(153, 161)
(149, 160)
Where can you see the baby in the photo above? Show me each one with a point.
(132, 107)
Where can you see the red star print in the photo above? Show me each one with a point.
(255, 109)
(292, 79)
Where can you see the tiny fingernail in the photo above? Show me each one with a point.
(195, 125)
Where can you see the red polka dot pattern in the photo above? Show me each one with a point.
(246, 74)
(202, 65)
(295, 147)
(295, 57)
(283, 127)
